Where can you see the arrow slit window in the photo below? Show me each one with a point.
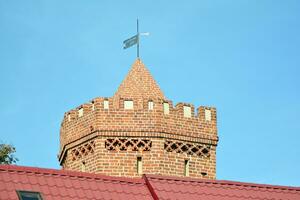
(139, 166)
(186, 168)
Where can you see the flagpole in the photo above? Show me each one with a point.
(138, 38)
(134, 40)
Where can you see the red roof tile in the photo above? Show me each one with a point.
(68, 185)
(188, 188)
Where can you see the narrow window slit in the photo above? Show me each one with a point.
(186, 168)
(139, 166)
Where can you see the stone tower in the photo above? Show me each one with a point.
(139, 131)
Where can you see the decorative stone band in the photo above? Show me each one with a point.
(205, 139)
(83, 150)
(188, 148)
(128, 144)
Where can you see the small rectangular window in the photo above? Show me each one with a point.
(83, 166)
(207, 115)
(93, 106)
(29, 195)
(128, 104)
(186, 168)
(105, 104)
(187, 111)
(69, 117)
(139, 165)
(150, 105)
(166, 108)
(80, 112)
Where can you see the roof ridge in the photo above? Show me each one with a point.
(150, 187)
(225, 182)
(69, 173)
(231, 195)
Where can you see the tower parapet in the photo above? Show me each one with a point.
(139, 131)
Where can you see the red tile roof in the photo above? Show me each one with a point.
(192, 189)
(69, 185)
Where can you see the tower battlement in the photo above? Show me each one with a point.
(107, 135)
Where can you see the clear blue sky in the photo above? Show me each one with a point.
(241, 56)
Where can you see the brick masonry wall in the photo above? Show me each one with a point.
(98, 124)
(155, 161)
(108, 141)
(138, 119)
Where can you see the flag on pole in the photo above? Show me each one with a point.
(131, 41)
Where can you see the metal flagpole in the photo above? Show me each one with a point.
(138, 38)
(135, 40)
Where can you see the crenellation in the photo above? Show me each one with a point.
(180, 109)
(98, 103)
(87, 108)
(202, 114)
(163, 140)
(71, 115)
(106, 103)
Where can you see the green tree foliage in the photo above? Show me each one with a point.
(7, 154)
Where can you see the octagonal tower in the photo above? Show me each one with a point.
(138, 131)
